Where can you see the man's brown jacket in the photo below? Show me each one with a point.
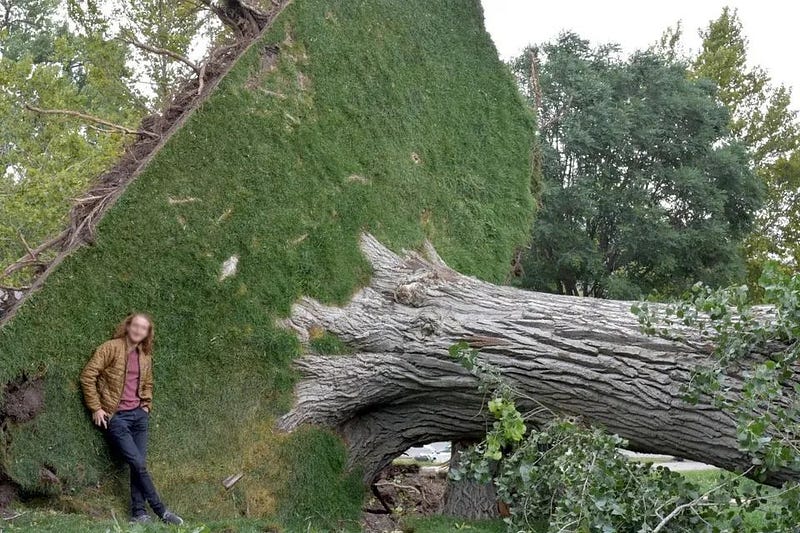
(103, 377)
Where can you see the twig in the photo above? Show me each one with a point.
(89, 118)
(397, 486)
(221, 15)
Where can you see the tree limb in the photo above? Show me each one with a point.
(533, 81)
(90, 118)
(164, 52)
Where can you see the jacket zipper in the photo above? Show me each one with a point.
(125, 374)
(138, 381)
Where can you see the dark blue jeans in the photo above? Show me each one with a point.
(127, 432)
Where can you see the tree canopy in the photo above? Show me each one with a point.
(645, 189)
(763, 120)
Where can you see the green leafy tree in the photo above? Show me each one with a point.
(763, 120)
(27, 28)
(46, 161)
(644, 190)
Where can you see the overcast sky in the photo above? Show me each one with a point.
(771, 26)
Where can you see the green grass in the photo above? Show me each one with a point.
(59, 522)
(396, 118)
(708, 479)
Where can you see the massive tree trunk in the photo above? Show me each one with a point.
(571, 355)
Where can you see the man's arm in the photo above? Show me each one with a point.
(88, 379)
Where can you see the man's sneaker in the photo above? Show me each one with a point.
(171, 518)
(141, 519)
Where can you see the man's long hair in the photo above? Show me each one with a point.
(122, 330)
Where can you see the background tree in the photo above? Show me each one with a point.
(644, 190)
(182, 27)
(762, 119)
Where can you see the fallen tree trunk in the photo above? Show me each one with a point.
(571, 355)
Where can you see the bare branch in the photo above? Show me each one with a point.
(25, 262)
(90, 118)
(164, 52)
(201, 78)
(533, 81)
(547, 124)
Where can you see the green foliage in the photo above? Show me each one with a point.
(27, 28)
(762, 119)
(760, 114)
(564, 476)
(767, 408)
(386, 126)
(643, 188)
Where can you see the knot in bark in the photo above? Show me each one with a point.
(429, 323)
(411, 291)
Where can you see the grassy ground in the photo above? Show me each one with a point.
(32, 519)
(56, 522)
(391, 117)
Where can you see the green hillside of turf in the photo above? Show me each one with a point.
(391, 117)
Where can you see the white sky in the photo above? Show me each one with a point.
(771, 26)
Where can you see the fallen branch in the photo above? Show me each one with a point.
(90, 118)
(700, 501)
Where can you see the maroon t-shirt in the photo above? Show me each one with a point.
(130, 392)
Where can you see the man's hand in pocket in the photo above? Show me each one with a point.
(100, 418)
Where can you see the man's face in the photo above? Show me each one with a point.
(138, 328)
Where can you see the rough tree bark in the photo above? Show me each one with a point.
(577, 356)
(467, 498)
